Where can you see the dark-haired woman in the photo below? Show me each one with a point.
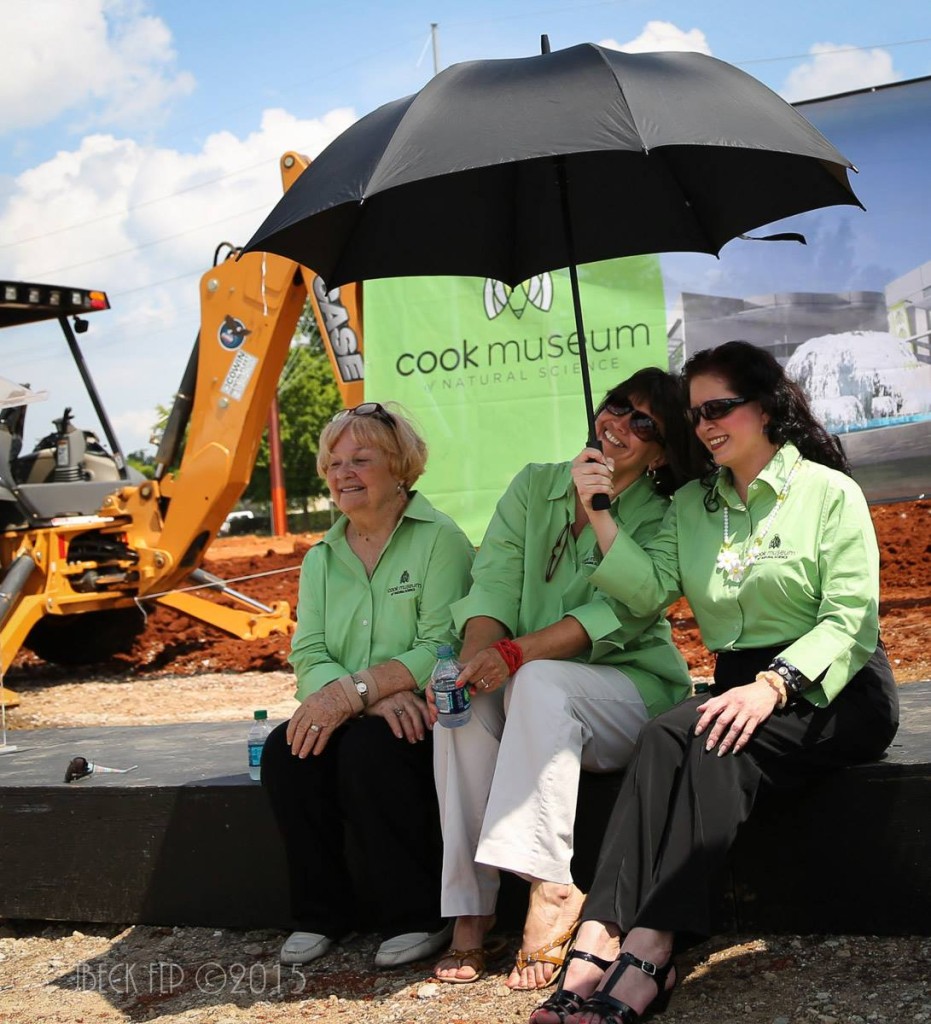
(776, 553)
(561, 681)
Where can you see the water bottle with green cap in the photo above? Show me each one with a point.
(258, 734)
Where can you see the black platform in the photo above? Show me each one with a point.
(187, 838)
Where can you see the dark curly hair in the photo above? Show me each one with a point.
(754, 373)
(663, 393)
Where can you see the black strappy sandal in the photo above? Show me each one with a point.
(615, 1011)
(564, 1002)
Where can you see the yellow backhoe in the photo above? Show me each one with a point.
(85, 542)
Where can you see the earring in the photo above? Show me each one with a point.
(401, 487)
(651, 472)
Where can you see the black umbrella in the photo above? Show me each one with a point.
(509, 168)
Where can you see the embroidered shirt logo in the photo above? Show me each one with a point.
(775, 552)
(404, 585)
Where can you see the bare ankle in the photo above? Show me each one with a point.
(470, 929)
(647, 944)
(602, 938)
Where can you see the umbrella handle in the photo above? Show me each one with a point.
(600, 502)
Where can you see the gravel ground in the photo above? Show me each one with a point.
(66, 973)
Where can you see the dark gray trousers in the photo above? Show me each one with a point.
(665, 848)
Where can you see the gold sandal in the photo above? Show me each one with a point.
(542, 956)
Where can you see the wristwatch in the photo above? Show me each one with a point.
(362, 688)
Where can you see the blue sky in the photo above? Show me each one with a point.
(138, 135)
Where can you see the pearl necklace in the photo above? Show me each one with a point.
(736, 564)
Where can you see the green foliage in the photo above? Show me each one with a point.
(308, 331)
(307, 398)
(143, 462)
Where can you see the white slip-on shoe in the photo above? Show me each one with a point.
(404, 949)
(302, 947)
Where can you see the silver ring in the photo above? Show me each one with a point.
(399, 711)
(314, 728)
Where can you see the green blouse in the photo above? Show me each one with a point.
(347, 621)
(510, 580)
(814, 586)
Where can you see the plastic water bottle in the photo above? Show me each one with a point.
(258, 734)
(453, 703)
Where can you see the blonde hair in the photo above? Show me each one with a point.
(404, 448)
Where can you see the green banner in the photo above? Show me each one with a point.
(491, 375)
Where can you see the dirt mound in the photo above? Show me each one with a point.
(267, 569)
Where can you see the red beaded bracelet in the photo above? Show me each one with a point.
(511, 653)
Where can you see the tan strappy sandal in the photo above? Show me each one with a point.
(546, 955)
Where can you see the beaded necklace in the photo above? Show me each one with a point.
(736, 564)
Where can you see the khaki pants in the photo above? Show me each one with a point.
(508, 781)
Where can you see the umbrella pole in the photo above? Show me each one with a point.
(583, 358)
(600, 502)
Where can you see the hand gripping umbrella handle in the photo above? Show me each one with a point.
(600, 502)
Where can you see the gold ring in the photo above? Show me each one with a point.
(484, 684)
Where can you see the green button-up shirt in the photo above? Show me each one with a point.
(510, 584)
(347, 621)
(815, 585)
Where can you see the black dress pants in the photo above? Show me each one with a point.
(379, 791)
(665, 848)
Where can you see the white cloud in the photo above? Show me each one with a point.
(834, 69)
(663, 35)
(138, 423)
(107, 59)
(141, 223)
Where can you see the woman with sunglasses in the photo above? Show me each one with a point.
(356, 756)
(560, 680)
(775, 551)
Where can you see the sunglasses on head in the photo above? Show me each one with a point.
(375, 409)
(715, 409)
(641, 425)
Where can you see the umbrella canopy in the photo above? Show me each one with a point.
(658, 152)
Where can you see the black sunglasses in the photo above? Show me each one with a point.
(715, 409)
(641, 425)
(562, 542)
(375, 409)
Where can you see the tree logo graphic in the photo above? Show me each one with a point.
(536, 291)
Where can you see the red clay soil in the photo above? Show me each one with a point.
(175, 644)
